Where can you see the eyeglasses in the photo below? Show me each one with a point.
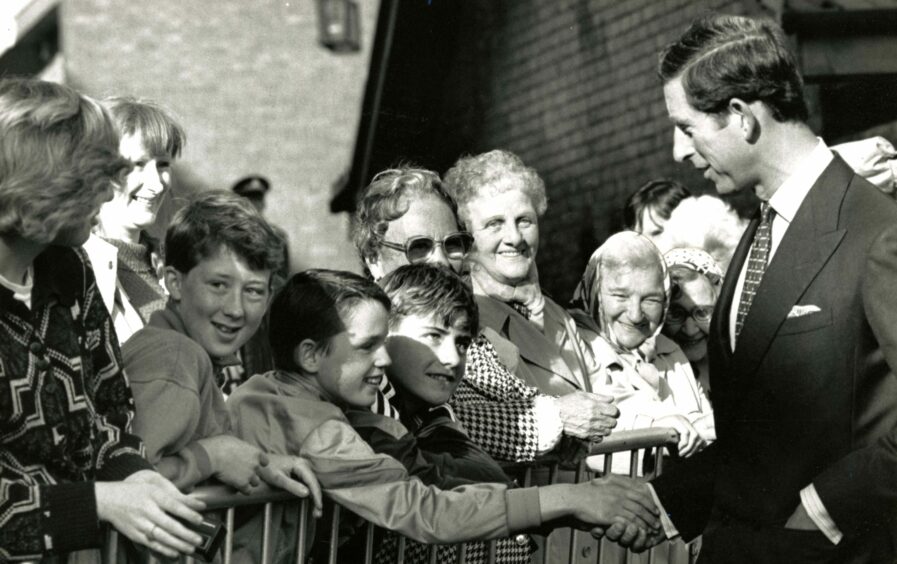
(418, 249)
(678, 315)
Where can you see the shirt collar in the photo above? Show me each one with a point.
(790, 195)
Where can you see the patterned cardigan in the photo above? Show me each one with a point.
(65, 410)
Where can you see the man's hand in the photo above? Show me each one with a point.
(690, 440)
(801, 520)
(293, 474)
(629, 536)
(143, 507)
(586, 415)
(234, 462)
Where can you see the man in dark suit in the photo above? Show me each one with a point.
(804, 336)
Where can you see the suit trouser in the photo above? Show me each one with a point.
(730, 541)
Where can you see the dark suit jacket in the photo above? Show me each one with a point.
(810, 398)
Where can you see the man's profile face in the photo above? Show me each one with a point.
(712, 143)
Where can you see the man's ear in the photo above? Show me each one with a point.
(747, 118)
(173, 281)
(307, 356)
(375, 267)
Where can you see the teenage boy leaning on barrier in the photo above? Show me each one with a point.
(219, 258)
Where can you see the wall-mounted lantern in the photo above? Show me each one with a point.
(338, 25)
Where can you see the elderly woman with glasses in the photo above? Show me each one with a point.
(696, 282)
(406, 216)
(619, 306)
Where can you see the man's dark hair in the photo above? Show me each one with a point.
(427, 289)
(311, 306)
(721, 57)
(661, 196)
(216, 220)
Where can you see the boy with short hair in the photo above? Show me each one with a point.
(220, 255)
(431, 325)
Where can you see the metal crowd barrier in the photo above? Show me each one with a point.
(223, 498)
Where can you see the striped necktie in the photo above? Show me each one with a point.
(757, 262)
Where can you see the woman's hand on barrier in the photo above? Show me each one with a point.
(234, 462)
(145, 507)
(293, 474)
(586, 415)
(690, 440)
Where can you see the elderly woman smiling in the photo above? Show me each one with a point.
(619, 306)
(500, 201)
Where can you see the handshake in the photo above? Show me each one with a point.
(618, 508)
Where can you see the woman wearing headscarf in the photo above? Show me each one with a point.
(696, 282)
(619, 306)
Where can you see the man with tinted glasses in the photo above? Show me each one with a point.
(405, 216)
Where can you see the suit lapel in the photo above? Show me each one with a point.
(808, 244)
(535, 347)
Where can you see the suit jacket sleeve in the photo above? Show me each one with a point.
(863, 484)
(686, 491)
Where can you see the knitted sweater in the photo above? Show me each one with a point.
(65, 411)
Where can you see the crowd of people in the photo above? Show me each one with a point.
(134, 369)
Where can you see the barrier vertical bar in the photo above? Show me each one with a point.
(302, 541)
(334, 535)
(369, 544)
(266, 534)
(110, 554)
(229, 536)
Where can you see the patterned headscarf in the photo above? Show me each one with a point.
(623, 247)
(695, 259)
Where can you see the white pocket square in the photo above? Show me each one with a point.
(802, 310)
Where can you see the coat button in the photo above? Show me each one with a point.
(43, 363)
(36, 347)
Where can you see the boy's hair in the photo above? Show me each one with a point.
(312, 305)
(386, 199)
(217, 219)
(661, 195)
(161, 133)
(722, 57)
(425, 290)
(58, 158)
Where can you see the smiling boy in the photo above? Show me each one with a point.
(220, 254)
(431, 323)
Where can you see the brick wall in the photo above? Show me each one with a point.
(253, 88)
(571, 87)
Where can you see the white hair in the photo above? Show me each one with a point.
(704, 222)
